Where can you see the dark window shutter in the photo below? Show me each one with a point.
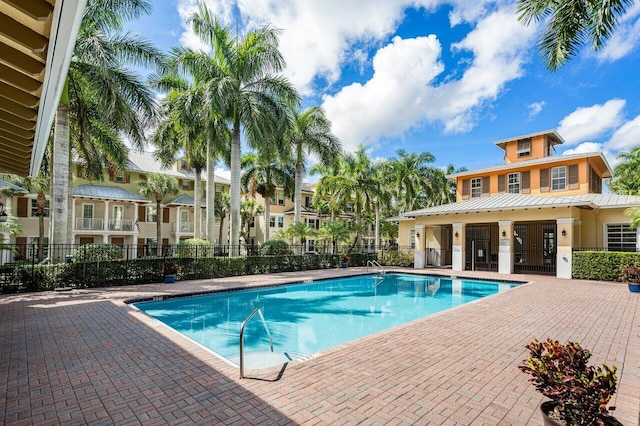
(465, 189)
(191, 186)
(180, 183)
(142, 214)
(544, 180)
(574, 183)
(127, 178)
(21, 247)
(486, 185)
(165, 215)
(501, 183)
(165, 241)
(525, 183)
(23, 207)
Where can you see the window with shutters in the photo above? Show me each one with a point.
(476, 187)
(544, 180)
(558, 178)
(574, 183)
(620, 237)
(120, 178)
(185, 185)
(151, 214)
(34, 208)
(513, 183)
(524, 148)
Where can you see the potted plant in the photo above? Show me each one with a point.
(345, 261)
(579, 393)
(631, 275)
(169, 271)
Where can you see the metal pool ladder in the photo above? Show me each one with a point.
(257, 310)
(375, 264)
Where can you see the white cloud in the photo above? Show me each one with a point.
(535, 108)
(223, 173)
(626, 136)
(591, 122)
(401, 93)
(626, 37)
(584, 148)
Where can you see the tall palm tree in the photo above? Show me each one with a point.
(249, 209)
(245, 88)
(626, 179)
(570, 24)
(39, 184)
(309, 134)
(409, 174)
(102, 99)
(221, 209)
(159, 185)
(263, 174)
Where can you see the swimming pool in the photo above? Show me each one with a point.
(306, 318)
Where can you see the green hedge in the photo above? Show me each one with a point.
(601, 265)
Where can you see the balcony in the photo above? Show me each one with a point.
(121, 225)
(89, 224)
(183, 227)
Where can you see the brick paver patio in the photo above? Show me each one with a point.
(85, 357)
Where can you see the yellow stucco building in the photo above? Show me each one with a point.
(526, 215)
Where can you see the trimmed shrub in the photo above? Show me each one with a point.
(395, 258)
(274, 248)
(193, 247)
(96, 253)
(602, 265)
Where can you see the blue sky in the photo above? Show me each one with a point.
(447, 77)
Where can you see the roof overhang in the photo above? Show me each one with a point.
(36, 44)
(553, 136)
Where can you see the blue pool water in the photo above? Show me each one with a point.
(306, 318)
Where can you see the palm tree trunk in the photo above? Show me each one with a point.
(298, 192)
(40, 235)
(60, 177)
(234, 216)
(158, 229)
(211, 192)
(267, 213)
(220, 230)
(197, 201)
(376, 242)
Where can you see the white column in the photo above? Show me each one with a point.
(565, 247)
(105, 225)
(177, 222)
(458, 255)
(73, 221)
(419, 252)
(505, 249)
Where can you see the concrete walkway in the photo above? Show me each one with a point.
(85, 357)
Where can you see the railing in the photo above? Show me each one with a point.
(375, 264)
(120, 225)
(89, 224)
(186, 227)
(257, 310)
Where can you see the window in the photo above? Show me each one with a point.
(595, 182)
(476, 187)
(307, 202)
(185, 185)
(621, 238)
(514, 183)
(524, 148)
(184, 165)
(314, 223)
(152, 214)
(412, 238)
(120, 178)
(34, 208)
(558, 178)
(280, 222)
(311, 245)
(280, 199)
(272, 222)
(349, 208)
(87, 211)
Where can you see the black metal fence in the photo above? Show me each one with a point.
(28, 267)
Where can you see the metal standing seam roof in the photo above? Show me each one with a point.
(109, 192)
(16, 188)
(509, 201)
(185, 200)
(537, 161)
(144, 162)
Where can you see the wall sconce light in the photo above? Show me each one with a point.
(417, 235)
(564, 233)
(504, 233)
(456, 234)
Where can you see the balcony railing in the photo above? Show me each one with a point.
(120, 225)
(186, 227)
(89, 224)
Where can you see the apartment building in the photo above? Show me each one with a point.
(527, 214)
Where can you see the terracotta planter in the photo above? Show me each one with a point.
(548, 406)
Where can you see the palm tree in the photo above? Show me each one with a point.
(263, 175)
(334, 231)
(158, 185)
(570, 24)
(244, 88)
(300, 231)
(39, 184)
(309, 134)
(409, 175)
(101, 101)
(9, 225)
(221, 210)
(626, 179)
(249, 209)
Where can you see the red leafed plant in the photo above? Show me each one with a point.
(630, 274)
(560, 372)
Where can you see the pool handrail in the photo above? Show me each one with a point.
(375, 264)
(244, 323)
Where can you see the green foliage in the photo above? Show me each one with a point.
(602, 265)
(396, 258)
(96, 253)
(630, 274)
(32, 278)
(560, 372)
(274, 248)
(193, 247)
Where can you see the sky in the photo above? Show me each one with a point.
(445, 77)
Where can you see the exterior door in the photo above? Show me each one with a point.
(481, 247)
(118, 241)
(87, 217)
(117, 219)
(184, 221)
(86, 240)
